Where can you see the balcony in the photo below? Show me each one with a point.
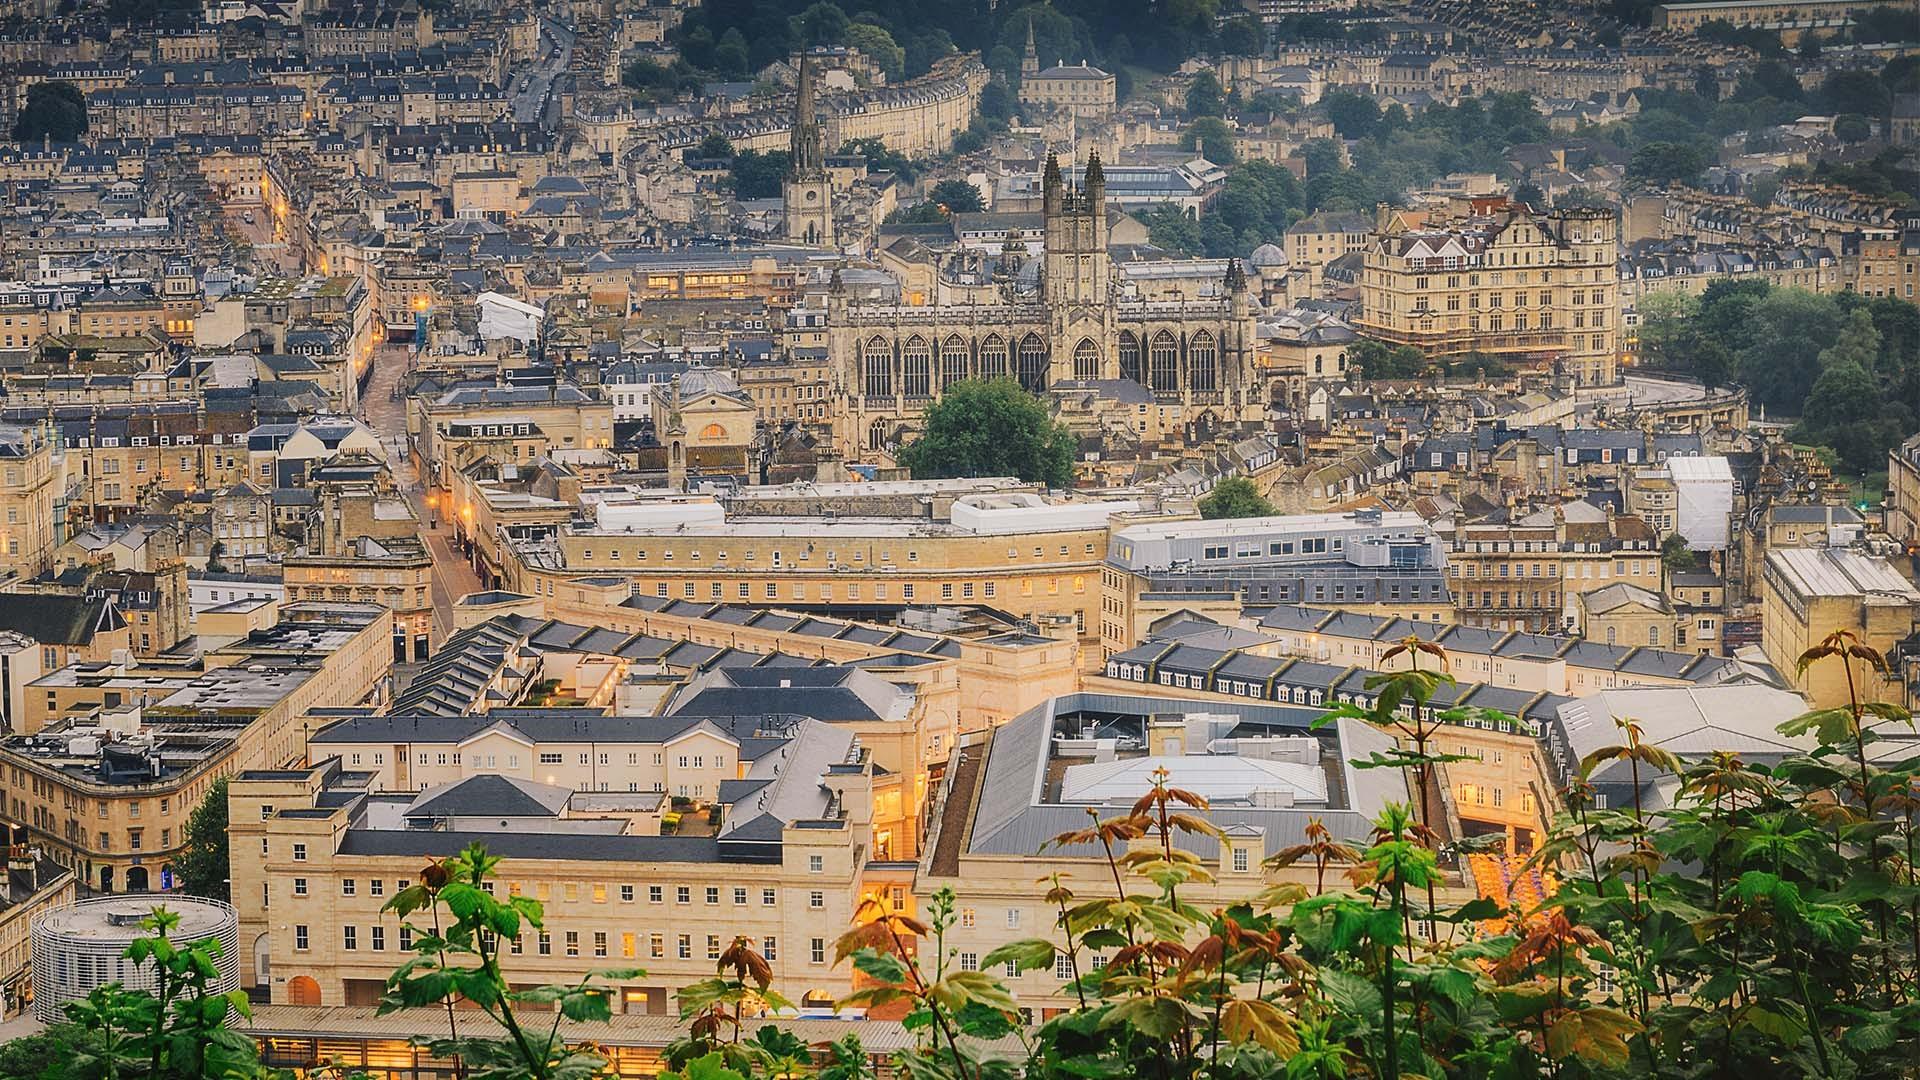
(1463, 341)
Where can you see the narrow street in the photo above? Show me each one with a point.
(453, 576)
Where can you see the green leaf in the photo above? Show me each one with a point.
(886, 967)
(1595, 1033)
(1031, 954)
(1152, 1016)
(1254, 1020)
(1352, 994)
(1776, 1023)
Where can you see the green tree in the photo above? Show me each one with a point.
(1676, 557)
(956, 197)
(203, 864)
(1235, 497)
(1244, 36)
(1173, 228)
(758, 175)
(1211, 136)
(821, 24)
(1665, 163)
(1354, 116)
(1855, 91)
(991, 427)
(1780, 333)
(878, 45)
(1204, 97)
(714, 146)
(730, 57)
(1852, 128)
(54, 110)
(1379, 360)
(880, 157)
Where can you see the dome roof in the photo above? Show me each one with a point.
(1268, 255)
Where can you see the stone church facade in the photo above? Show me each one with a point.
(1083, 327)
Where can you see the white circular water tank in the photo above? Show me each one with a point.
(83, 946)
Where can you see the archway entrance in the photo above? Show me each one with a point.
(302, 990)
(136, 879)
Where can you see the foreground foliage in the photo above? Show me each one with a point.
(1761, 922)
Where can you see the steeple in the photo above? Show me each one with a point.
(1052, 188)
(1030, 61)
(808, 152)
(807, 195)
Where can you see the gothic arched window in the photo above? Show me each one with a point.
(953, 360)
(1033, 363)
(1086, 360)
(1166, 361)
(916, 362)
(1203, 362)
(993, 357)
(1130, 357)
(877, 362)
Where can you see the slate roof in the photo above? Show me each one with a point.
(490, 794)
(58, 620)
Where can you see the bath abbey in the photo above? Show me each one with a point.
(1148, 345)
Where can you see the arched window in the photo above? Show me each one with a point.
(1166, 361)
(993, 357)
(877, 361)
(1130, 357)
(1203, 362)
(1033, 363)
(1086, 360)
(916, 362)
(953, 360)
(877, 435)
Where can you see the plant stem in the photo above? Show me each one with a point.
(1813, 1020)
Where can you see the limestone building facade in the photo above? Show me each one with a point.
(1074, 324)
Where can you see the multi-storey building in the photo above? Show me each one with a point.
(1537, 289)
(1789, 18)
(781, 857)
(108, 792)
(837, 550)
(32, 481)
(1883, 262)
(1807, 594)
(29, 887)
(1368, 561)
(1082, 323)
(1079, 90)
(1529, 573)
(1265, 773)
(364, 546)
(327, 320)
(1903, 499)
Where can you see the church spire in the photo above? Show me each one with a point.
(1030, 60)
(805, 144)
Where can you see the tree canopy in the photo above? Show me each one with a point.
(54, 110)
(1235, 497)
(956, 196)
(991, 427)
(203, 860)
(1846, 364)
